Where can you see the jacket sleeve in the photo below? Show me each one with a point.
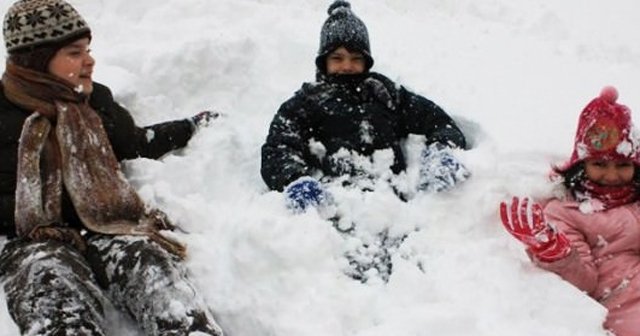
(11, 120)
(130, 141)
(578, 267)
(423, 117)
(7, 206)
(285, 153)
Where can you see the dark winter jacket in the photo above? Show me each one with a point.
(358, 113)
(127, 140)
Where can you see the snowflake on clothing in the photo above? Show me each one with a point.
(57, 11)
(35, 18)
(13, 23)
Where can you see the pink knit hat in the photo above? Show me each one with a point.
(605, 132)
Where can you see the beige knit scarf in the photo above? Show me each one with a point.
(64, 145)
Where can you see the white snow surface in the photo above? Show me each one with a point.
(515, 73)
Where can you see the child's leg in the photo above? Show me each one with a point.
(50, 289)
(151, 284)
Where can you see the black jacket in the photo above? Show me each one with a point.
(359, 113)
(127, 140)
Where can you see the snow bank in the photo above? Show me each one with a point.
(516, 73)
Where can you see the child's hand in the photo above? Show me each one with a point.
(440, 170)
(527, 224)
(304, 192)
(204, 119)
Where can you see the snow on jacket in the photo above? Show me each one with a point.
(605, 260)
(127, 140)
(331, 124)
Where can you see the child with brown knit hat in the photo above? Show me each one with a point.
(80, 236)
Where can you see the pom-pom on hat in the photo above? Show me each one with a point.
(605, 131)
(343, 29)
(29, 24)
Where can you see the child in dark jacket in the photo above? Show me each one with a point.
(351, 121)
(81, 238)
(348, 127)
(590, 236)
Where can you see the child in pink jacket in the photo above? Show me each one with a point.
(591, 237)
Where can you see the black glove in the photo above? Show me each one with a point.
(203, 119)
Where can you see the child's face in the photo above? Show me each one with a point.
(343, 62)
(75, 64)
(608, 172)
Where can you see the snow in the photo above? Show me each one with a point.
(515, 74)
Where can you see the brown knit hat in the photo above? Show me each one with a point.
(32, 23)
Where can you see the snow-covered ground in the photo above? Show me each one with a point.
(515, 73)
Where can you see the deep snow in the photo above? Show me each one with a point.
(515, 73)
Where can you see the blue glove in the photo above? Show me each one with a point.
(305, 191)
(440, 170)
(203, 119)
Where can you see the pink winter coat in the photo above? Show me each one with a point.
(605, 259)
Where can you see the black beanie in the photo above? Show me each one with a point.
(343, 29)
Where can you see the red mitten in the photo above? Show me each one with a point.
(527, 224)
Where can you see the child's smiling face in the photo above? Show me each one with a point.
(610, 172)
